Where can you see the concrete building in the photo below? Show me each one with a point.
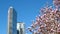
(20, 28)
(12, 21)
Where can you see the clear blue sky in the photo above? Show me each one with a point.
(26, 10)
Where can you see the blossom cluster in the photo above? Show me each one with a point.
(48, 23)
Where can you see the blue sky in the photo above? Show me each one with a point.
(27, 10)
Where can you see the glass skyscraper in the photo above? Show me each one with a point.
(20, 28)
(12, 21)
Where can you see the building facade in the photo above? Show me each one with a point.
(20, 28)
(12, 21)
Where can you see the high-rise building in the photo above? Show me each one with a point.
(12, 21)
(20, 28)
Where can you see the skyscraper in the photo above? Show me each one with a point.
(12, 21)
(20, 28)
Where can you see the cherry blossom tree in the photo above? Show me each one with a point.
(49, 22)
